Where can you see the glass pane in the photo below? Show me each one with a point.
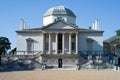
(29, 46)
(89, 47)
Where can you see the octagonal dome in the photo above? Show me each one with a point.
(59, 10)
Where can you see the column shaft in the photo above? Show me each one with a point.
(49, 43)
(56, 43)
(63, 43)
(43, 42)
(77, 43)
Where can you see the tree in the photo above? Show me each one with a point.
(118, 32)
(4, 46)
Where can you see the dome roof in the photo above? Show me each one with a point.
(59, 10)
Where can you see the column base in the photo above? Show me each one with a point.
(69, 52)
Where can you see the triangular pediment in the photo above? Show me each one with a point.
(60, 25)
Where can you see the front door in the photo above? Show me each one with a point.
(119, 61)
(59, 63)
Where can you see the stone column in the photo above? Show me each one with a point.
(70, 43)
(63, 43)
(76, 43)
(56, 43)
(49, 43)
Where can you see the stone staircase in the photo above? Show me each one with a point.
(30, 56)
(22, 62)
(93, 62)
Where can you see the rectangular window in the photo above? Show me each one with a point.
(118, 49)
(73, 60)
(89, 47)
(46, 46)
(29, 46)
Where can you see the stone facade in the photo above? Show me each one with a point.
(60, 42)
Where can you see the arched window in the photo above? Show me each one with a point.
(29, 45)
(59, 18)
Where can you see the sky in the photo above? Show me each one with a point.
(32, 11)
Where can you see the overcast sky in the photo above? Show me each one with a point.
(87, 11)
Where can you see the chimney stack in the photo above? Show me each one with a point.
(95, 25)
(22, 24)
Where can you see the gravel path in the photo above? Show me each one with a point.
(60, 75)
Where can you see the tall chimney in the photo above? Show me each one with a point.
(21, 24)
(95, 25)
(24, 24)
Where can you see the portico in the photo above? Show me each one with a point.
(60, 43)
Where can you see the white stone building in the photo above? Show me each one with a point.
(59, 42)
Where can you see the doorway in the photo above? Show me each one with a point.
(119, 61)
(59, 63)
(59, 43)
(118, 49)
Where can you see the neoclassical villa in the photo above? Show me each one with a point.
(61, 43)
